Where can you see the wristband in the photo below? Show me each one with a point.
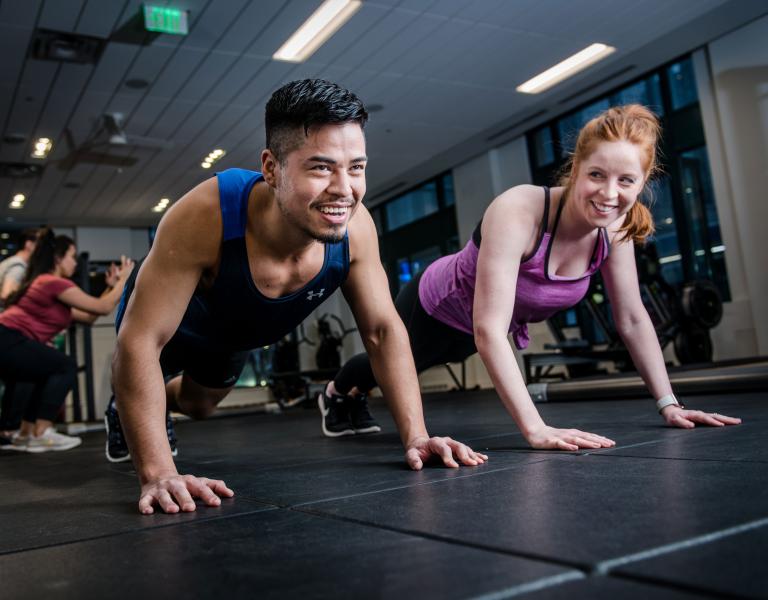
(668, 400)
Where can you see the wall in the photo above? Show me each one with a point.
(735, 111)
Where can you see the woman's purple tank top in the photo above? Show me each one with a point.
(447, 288)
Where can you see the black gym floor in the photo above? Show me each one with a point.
(668, 513)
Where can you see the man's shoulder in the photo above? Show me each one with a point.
(11, 262)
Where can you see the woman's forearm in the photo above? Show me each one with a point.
(499, 359)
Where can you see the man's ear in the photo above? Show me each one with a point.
(269, 164)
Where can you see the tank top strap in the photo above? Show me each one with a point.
(542, 226)
(235, 187)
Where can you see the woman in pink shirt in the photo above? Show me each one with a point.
(45, 304)
(531, 256)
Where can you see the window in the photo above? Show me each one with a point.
(416, 228)
(412, 206)
(687, 240)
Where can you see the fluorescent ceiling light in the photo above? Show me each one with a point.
(569, 67)
(323, 23)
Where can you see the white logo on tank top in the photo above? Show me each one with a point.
(311, 295)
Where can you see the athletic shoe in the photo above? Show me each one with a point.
(171, 433)
(16, 442)
(52, 441)
(117, 448)
(335, 416)
(359, 415)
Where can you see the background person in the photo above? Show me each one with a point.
(46, 303)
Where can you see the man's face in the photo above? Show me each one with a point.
(319, 185)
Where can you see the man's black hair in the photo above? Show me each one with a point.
(27, 235)
(303, 104)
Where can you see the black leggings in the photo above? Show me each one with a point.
(51, 372)
(432, 343)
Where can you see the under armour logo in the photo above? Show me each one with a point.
(311, 295)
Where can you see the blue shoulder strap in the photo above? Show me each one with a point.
(234, 188)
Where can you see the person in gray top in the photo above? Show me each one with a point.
(12, 269)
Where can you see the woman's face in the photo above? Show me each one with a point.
(609, 182)
(68, 263)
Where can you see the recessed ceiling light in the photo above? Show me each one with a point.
(565, 69)
(42, 147)
(213, 156)
(315, 31)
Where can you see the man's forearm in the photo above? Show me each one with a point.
(141, 401)
(393, 367)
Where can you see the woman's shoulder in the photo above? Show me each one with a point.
(52, 282)
(523, 204)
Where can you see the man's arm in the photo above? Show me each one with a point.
(386, 341)
(187, 242)
(12, 281)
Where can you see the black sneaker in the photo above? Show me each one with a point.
(117, 448)
(335, 417)
(359, 415)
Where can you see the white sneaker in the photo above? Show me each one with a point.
(18, 443)
(51, 440)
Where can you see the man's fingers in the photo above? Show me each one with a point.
(465, 454)
(445, 453)
(145, 504)
(219, 487)
(178, 493)
(166, 502)
(201, 488)
(413, 459)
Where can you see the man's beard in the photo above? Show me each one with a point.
(333, 236)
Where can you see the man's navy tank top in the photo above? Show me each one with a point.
(233, 315)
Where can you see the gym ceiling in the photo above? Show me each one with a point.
(442, 72)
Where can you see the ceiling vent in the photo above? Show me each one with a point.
(66, 47)
(20, 170)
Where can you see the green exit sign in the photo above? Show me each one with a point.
(165, 20)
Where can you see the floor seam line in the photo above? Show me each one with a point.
(137, 530)
(582, 568)
(532, 586)
(605, 566)
(404, 487)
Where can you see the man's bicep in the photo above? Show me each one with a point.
(187, 242)
(159, 299)
(367, 292)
